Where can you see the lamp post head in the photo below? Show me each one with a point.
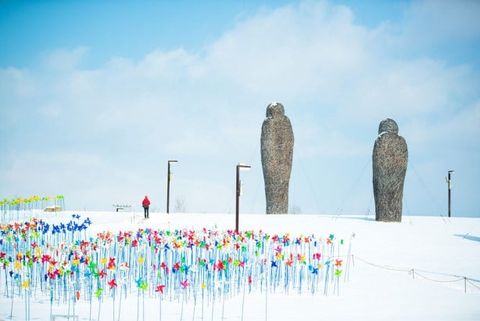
(243, 166)
(173, 161)
(451, 171)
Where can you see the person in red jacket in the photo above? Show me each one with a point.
(146, 205)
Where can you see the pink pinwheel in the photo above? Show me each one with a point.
(184, 284)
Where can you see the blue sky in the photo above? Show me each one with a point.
(96, 97)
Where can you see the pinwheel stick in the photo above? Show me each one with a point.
(11, 306)
(160, 307)
(181, 309)
(113, 305)
(26, 306)
(90, 312)
(213, 308)
(99, 307)
(203, 300)
(120, 303)
(266, 295)
(138, 304)
(243, 297)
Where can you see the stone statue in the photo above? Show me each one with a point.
(277, 153)
(390, 156)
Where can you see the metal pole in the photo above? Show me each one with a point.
(169, 174)
(237, 199)
(449, 181)
(168, 188)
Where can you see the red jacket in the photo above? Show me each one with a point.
(146, 202)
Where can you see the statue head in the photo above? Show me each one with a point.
(388, 126)
(275, 109)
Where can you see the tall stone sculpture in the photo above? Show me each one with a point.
(390, 156)
(277, 153)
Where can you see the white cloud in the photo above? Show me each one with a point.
(337, 80)
(64, 59)
(438, 21)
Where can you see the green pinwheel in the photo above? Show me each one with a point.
(99, 292)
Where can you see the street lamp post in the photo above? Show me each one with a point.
(168, 184)
(238, 190)
(449, 182)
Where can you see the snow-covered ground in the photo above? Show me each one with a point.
(400, 271)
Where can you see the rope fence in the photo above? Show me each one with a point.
(422, 274)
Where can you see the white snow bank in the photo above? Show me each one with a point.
(381, 285)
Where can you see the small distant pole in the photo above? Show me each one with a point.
(449, 182)
(238, 190)
(168, 184)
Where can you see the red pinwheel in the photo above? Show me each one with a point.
(111, 263)
(317, 256)
(54, 274)
(102, 274)
(112, 283)
(219, 266)
(176, 266)
(160, 288)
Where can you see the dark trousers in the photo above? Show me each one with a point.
(145, 211)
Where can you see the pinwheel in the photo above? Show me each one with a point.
(185, 284)
(112, 284)
(12, 207)
(160, 288)
(98, 293)
(215, 263)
